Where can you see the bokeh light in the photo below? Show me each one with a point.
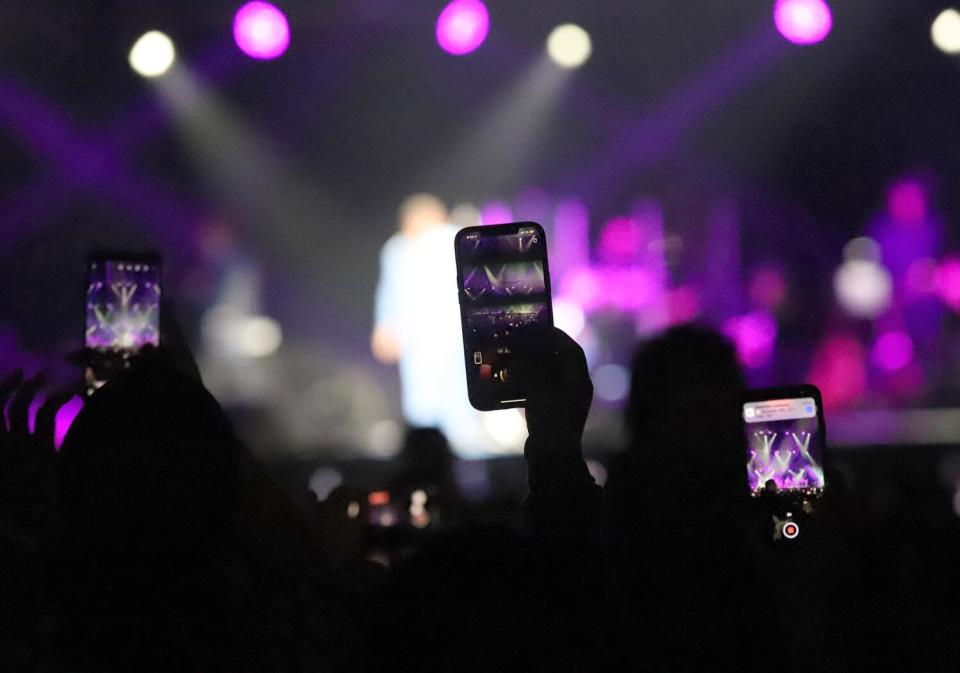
(892, 351)
(611, 382)
(907, 201)
(323, 481)
(755, 335)
(863, 288)
(152, 54)
(462, 26)
(767, 288)
(863, 248)
(260, 336)
(945, 31)
(947, 282)
(620, 240)
(803, 21)
(261, 30)
(839, 370)
(569, 45)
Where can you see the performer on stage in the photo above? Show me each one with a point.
(417, 323)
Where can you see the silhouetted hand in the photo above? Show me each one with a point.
(552, 369)
(26, 459)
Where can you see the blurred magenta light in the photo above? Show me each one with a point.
(907, 201)
(893, 351)
(803, 21)
(620, 240)
(755, 335)
(261, 30)
(839, 370)
(947, 282)
(462, 26)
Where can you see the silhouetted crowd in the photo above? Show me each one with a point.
(153, 540)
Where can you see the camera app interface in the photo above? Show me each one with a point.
(504, 288)
(123, 306)
(784, 445)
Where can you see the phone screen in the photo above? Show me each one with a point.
(504, 286)
(122, 313)
(785, 445)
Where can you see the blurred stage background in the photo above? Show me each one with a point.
(785, 171)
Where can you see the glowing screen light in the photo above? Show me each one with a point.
(803, 21)
(462, 26)
(945, 31)
(569, 46)
(261, 30)
(152, 54)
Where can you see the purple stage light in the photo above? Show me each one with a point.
(893, 351)
(755, 335)
(462, 26)
(803, 21)
(496, 212)
(261, 30)
(620, 240)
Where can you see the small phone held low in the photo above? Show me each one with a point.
(504, 286)
(122, 312)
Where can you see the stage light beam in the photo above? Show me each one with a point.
(803, 22)
(261, 31)
(462, 26)
(152, 54)
(569, 46)
(945, 31)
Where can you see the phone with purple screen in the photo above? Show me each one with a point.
(122, 312)
(504, 286)
(785, 442)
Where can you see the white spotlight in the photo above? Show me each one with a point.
(863, 288)
(945, 31)
(260, 336)
(153, 54)
(569, 46)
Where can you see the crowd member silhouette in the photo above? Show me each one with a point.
(155, 541)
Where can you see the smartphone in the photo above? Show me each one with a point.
(785, 441)
(504, 285)
(122, 312)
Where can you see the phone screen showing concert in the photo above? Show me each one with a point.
(504, 286)
(122, 315)
(784, 446)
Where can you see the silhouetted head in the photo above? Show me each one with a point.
(685, 392)
(426, 452)
(148, 497)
